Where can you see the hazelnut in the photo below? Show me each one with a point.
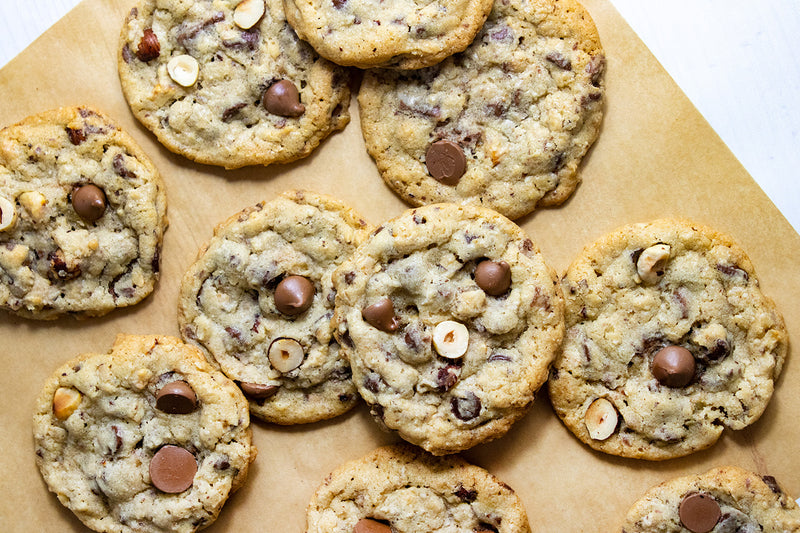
(450, 339)
(248, 13)
(651, 263)
(184, 69)
(65, 401)
(285, 354)
(149, 47)
(33, 202)
(601, 419)
(8, 214)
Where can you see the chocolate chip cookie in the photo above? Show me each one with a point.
(401, 489)
(721, 500)
(147, 437)
(228, 82)
(503, 124)
(669, 341)
(259, 301)
(82, 216)
(450, 318)
(405, 34)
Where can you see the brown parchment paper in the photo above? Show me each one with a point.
(656, 156)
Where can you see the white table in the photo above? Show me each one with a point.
(736, 60)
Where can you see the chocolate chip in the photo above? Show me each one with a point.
(466, 408)
(380, 315)
(258, 391)
(368, 525)
(293, 295)
(674, 366)
(172, 469)
(89, 201)
(493, 277)
(149, 47)
(699, 512)
(176, 398)
(283, 99)
(446, 162)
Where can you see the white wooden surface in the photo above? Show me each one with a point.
(736, 60)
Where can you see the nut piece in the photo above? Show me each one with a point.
(450, 339)
(8, 214)
(149, 47)
(285, 355)
(65, 401)
(651, 263)
(247, 13)
(368, 525)
(34, 202)
(172, 469)
(601, 419)
(183, 69)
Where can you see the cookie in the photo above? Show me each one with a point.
(228, 83)
(720, 500)
(83, 214)
(147, 437)
(503, 124)
(402, 489)
(407, 34)
(450, 318)
(669, 341)
(259, 301)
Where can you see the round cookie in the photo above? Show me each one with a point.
(228, 83)
(259, 301)
(669, 341)
(83, 215)
(450, 319)
(404, 34)
(503, 124)
(405, 490)
(721, 500)
(147, 437)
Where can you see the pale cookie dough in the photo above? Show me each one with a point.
(228, 83)
(723, 500)
(404, 34)
(669, 341)
(404, 490)
(127, 453)
(450, 318)
(236, 301)
(82, 216)
(503, 124)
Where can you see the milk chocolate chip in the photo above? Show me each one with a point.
(699, 512)
(446, 162)
(368, 525)
(673, 366)
(89, 201)
(149, 47)
(258, 391)
(176, 398)
(282, 98)
(293, 295)
(493, 277)
(172, 469)
(380, 315)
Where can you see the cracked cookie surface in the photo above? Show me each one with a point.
(231, 304)
(669, 341)
(444, 353)
(404, 34)
(83, 216)
(101, 422)
(410, 491)
(736, 500)
(519, 108)
(258, 95)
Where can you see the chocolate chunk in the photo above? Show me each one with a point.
(59, 270)
(673, 366)
(772, 483)
(558, 59)
(466, 408)
(699, 512)
(465, 495)
(120, 169)
(231, 112)
(338, 4)
(89, 201)
(76, 136)
(176, 398)
(368, 525)
(258, 391)
(717, 351)
(172, 469)
(283, 99)
(446, 162)
(733, 270)
(293, 295)
(493, 277)
(380, 315)
(149, 47)
(447, 377)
